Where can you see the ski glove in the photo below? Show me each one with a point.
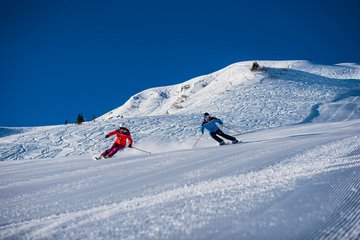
(130, 146)
(107, 136)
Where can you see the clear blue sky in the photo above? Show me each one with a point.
(61, 58)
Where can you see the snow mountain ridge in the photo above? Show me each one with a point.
(216, 91)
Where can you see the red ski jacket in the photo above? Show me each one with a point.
(121, 138)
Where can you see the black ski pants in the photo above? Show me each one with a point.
(222, 134)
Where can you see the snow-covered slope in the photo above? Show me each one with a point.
(295, 176)
(295, 182)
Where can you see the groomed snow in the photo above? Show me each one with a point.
(290, 182)
(294, 176)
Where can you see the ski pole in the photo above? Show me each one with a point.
(231, 129)
(141, 150)
(197, 141)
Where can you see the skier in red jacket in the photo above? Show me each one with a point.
(123, 140)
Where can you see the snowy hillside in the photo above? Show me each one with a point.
(294, 85)
(289, 92)
(296, 175)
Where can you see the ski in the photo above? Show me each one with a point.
(230, 143)
(98, 158)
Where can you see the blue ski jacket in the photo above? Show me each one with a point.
(211, 125)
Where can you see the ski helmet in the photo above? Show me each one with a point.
(124, 130)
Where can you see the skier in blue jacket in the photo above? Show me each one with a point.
(209, 124)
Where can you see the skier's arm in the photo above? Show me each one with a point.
(202, 129)
(111, 134)
(130, 142)
(219, 121)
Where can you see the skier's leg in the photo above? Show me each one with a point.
(228, 137)
(104, 154)
(115, 150)
(214, 136)
(107, 152)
